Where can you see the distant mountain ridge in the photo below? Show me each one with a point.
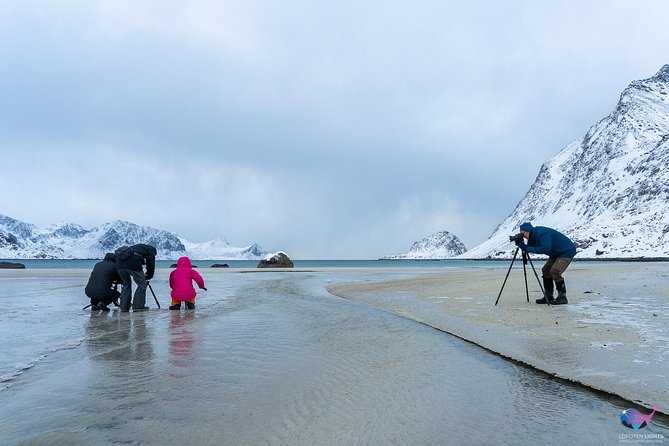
(441, 245)
(20, 240)
(609, 192)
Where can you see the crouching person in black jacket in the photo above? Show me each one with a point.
(101, 287)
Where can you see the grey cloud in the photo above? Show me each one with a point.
(356, 127)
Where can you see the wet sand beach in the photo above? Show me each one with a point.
(612, 336)
(273, 358)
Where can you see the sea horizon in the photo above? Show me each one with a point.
(320, 263)
(245, 264)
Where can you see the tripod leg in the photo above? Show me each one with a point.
(507, 275)
(154, 295)
(527, 290)
(539, 281)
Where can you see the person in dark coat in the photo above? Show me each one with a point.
(129, 262)
(560, 251)
(101, 286)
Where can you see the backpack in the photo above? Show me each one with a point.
(124, 252)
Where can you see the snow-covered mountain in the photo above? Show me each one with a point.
(442, 245)
(223, 250)
(19, 240)
(609, 192)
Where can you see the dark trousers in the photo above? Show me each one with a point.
(139, 300)
(555, 267)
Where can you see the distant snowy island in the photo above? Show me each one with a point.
(441, 245)
(20, 240)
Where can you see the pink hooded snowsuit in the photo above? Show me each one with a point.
(181, 281)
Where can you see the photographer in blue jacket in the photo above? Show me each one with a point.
(560, 251)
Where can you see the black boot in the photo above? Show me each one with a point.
(176, 306)
(190, 306)
(548, 288)
(562, 294)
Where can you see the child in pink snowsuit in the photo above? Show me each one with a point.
(181, 282)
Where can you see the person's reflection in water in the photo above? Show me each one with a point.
(182, 342)
(125, 345)
(101, 334)
(123, 372)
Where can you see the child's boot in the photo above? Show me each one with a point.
(190, 306)
(176, 306)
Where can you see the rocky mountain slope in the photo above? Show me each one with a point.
(20, 240)
(609, 192)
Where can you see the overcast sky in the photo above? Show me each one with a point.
(344, 129)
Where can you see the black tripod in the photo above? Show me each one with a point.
(526, 258)
(148, 284)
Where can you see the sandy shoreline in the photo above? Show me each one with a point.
(613, 336)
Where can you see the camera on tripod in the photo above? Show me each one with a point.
(517, 239)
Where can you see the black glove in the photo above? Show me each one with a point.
(522, 246)
(204, 288)
(148, 276)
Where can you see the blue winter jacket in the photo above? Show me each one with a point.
(550, 242)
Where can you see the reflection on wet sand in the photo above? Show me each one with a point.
(182, 339)
(278, 361)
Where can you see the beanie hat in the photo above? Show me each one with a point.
(526, 227)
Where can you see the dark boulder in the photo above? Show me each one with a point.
(11, 265)
(278, 260)
(220, 265)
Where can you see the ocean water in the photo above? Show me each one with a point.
(246, 264)
(267, 358)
